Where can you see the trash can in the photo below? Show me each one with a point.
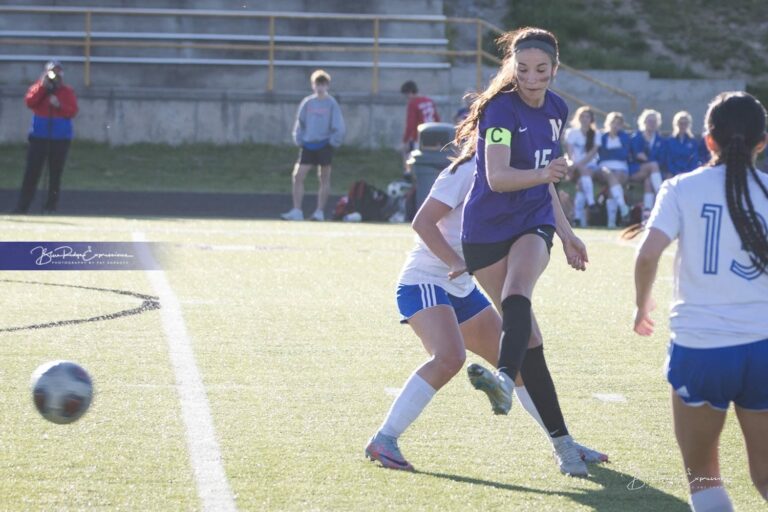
(430, 157)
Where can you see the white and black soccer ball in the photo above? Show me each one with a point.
(62, 391)
(398, 189)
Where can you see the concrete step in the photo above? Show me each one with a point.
(395, 7)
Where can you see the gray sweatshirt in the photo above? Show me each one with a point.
(318, 120)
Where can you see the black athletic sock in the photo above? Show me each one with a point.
(516, 330)
(541, 388)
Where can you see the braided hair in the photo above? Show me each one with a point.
(736, 122)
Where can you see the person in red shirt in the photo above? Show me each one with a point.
(421, 109)
(54, 105)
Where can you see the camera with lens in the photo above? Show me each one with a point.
(52, 80)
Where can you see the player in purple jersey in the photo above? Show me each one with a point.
(512, 212)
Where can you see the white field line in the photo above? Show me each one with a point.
(204, 452)
(148, 228)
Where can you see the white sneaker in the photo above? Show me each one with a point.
(318, 216)
(568, 457)
(353, 217)
(293, 214)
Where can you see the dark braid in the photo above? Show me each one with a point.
(737, 153)
(590, 138)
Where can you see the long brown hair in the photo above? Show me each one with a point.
(504, 81)
(591, 129)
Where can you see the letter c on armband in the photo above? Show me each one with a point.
(498, 136)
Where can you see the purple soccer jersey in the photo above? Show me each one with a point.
(497, 216)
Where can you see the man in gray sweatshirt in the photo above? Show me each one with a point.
(319, 129)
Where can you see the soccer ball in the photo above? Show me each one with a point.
(398, 189)
(62, 391)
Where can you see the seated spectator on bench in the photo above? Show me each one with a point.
(582, 141)
(683, 148)
(613, 164)
(648, 147)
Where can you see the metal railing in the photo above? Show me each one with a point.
(376, 49)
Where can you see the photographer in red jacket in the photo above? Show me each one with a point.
(54, 105)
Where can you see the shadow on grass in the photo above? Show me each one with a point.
(619, 491)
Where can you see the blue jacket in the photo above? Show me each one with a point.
(683, 154)
(655, 152)
(621, 153)
(49, 122)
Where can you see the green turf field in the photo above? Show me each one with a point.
(241, 168)
(295, 336)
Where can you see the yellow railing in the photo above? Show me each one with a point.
(271, 47)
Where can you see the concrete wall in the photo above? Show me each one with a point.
(176, 116)
(180, 117)
(668, 96)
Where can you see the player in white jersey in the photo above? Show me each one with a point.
(719, 316)
(439, 300)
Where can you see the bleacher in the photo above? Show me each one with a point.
(149, 47)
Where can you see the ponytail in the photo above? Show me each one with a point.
(590, 139)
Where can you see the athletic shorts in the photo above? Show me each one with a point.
(412, 298)
(479, 256)
(719, 376)
(322, 156)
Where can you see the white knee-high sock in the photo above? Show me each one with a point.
(525, 400)
(611, 209)
(655, 181)
(413, 398)
(713, 499)
(617, 192)
(578, 207)
(588, 187)
(648, 199)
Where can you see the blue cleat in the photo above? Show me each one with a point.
(384, 449)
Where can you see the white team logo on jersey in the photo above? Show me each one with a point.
(557, 125)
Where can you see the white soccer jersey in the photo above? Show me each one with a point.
(578, 142)
(719, 299)
(421, 265)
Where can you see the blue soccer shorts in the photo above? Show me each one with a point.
(719, 376)
(412, 298)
